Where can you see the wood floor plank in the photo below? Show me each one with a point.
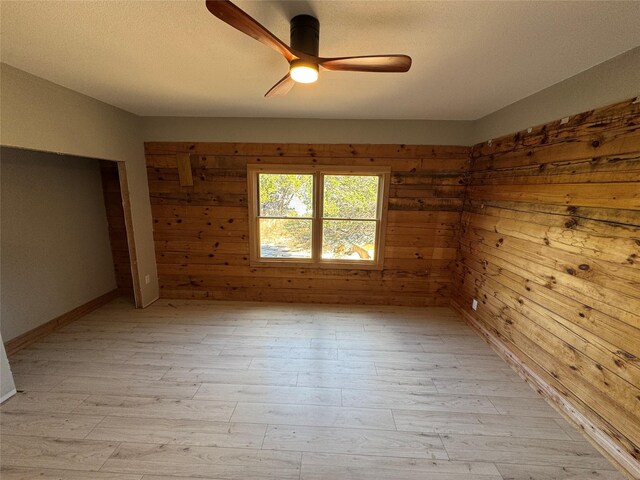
(59, 425)
(494, 388)
(88, 369)
(323, 472)
(446, 371)
(269, 394)
(239, 319)
(211, 462)
(529, 407)
(477, 424)
(40, 351)
(22, 451)
(457, 347)
(305, 365)
(545, 472)
(36, 383)
(469, 359)
(314, 415)
(21, 473)
(420, 329)
(391, 356)
(561, 453)
(423, 466)
(286, 332)
(68, 341)
(282, 352)
(425, 335)
(376, 345)
(230, 474)
(184, 329)
(156, 407)
(88, 324)
(188, 360)
(259, 341)
(43, 402)
(179, 432)
(366, 382)
(416, 401)
(111, 386)
(130, 347)
(354, 441)
(573, 432)
(104, 339)
(212, 375)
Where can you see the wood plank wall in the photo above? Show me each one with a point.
(550, 246)
(201, 231)
(117, 227)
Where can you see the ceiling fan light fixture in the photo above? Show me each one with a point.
(303, 54)
(303, 72)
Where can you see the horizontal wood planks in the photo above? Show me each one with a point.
(202, 232)
(550, 246)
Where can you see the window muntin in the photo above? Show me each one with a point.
(325, 216)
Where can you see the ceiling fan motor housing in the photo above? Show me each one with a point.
(305, 34)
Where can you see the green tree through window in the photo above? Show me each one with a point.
(318, 216)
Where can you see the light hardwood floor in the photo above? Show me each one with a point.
(237, 391)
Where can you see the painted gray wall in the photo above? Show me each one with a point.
(39, 115)
(305, 130)
(55, 252)
(609, 82)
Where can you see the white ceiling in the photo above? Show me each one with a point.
(174, 58)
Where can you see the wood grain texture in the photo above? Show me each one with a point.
(20, 473)
(185, 174)
(202, 231)
(550, 246)
(149, 415)
(354, 441)
(52, 452)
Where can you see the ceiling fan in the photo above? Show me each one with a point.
(302, 55)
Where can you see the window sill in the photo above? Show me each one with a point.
(331, 265)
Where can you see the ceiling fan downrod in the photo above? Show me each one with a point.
(305, 34)
(305, 38)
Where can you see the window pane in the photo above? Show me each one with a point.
(285, 238)
(348, 240)
(285, 195)
(350, 196)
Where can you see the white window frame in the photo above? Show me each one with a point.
(318, 172)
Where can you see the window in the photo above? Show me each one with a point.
(317, 215)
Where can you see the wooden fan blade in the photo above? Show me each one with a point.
(369, 63)
(237, 18)
(282, 87)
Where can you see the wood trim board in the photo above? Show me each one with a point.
(22, 341)
(133, 256)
